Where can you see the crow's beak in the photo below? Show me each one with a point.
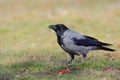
(52, 27)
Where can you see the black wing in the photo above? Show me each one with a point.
(89, 41)
(104, 44)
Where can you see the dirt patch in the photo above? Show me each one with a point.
(112, 70)
(53, 72)
(6, 76)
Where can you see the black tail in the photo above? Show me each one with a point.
(107, 49)
(106, 44)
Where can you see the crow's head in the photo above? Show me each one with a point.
(58, 28)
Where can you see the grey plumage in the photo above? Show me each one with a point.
(75, 43)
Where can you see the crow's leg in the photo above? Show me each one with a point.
(84, 55)
(71, 58)
(82, 58)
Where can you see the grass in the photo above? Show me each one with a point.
(29, 51)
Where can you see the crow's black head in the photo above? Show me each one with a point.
(58, 28)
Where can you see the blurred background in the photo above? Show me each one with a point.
(26, 21)
(24, 32)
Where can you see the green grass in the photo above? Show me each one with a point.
(26, 42)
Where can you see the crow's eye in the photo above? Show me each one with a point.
(58, 27)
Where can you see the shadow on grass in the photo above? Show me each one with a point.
(32, 68)
(19, 70)
(36, 68)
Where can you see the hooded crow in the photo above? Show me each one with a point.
(75, 43)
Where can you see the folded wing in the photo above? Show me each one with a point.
(89, 41)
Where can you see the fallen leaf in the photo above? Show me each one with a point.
(63, 71)
(112, 55)
(60, 72)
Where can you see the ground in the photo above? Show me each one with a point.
(28, 48)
